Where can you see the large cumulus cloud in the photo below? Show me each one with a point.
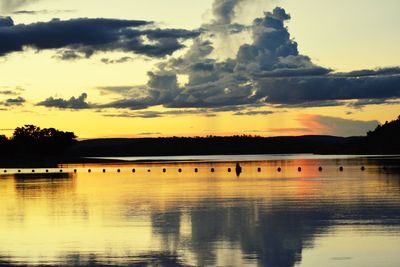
(268, 71)
(86, 36)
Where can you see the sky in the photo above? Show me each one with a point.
(135, 68)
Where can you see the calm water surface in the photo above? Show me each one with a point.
(266, 218)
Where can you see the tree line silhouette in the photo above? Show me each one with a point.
(31, 144)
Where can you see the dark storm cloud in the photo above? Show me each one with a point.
(72, 103)
(83, 37)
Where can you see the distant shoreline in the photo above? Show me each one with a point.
(198, 148)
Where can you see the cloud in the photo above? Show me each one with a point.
(117, 61)
(298, 90)
(361, 103)
(253, 112)
(83, 37)
(149, 133)
(147, 114)
(72, 103)
(336, 126)
(7, 6)
(231, 82)
(11, 90)
(224, 11)
(19, 101)
(6, 22)
(42, 12)
(8, 92)
(268, 71)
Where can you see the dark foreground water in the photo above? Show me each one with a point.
(151, 218)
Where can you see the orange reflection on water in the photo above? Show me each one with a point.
(113, 215)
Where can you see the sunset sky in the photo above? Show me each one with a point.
(134, 68)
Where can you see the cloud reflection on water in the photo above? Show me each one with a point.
(171, 220)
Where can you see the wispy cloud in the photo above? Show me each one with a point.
(253, 112)
(336, 126)
(43, 12)
(8, 6)
(18, 101)
(148, 114)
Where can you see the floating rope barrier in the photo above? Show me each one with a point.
(180, 170)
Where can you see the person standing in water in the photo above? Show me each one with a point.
(238, 169)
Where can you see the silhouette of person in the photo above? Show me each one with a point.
(238, 169)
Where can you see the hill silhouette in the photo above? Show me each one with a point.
(385, 138)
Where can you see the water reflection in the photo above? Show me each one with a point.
(204, 218)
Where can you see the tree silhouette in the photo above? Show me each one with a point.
(32, 139)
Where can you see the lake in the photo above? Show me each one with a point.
(280, 211)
